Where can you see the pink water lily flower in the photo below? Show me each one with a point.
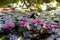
(55, 26)
(11, 25)
(24, 19)
(33, 22)
(5, 27)
(47, 25)
(38, 21)
(23, 23)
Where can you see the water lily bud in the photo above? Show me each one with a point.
(55, 26)
(23, 23)
(6, 27)
(33, 22)
(47, 25)
(38, 21)
(11, 25)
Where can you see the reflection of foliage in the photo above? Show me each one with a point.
(30, 2)
(40, 10)
(5, 2)
(47, 1)
(53, 8)
(58, 2)
(50, 8)
(37, 2)
(8, 5)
